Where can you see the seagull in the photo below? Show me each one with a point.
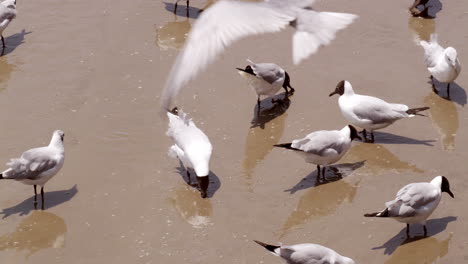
(323, 147)
(266, 79)
(307, 254)
(368, 112)
(443, 64)
(415, 202)
(37, 166)
(227, 21)
(7, 14)
(192, 147)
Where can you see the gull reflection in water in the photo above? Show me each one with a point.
(5, 72)
(39, 230)
(421, 28)
(173, 34)
(444, 116)
(195, 210)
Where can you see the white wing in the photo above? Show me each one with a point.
(432, 51)
(218, 27)
(315, 29)
(296, 3)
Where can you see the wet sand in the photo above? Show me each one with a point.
(95, 69)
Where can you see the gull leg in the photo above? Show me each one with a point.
(3, 43)
(425, 231)
(258, 105)
(433, 85)
(323, 172)
(42, 197)
(318, 172)
(364, 134)
(407, 231)
(372, 137)
(188, 12)
(188, 177)
(175, 6)
(35, 197)
(448, 90)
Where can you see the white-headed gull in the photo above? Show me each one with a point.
(266, 79)
(192, 147)
(37, 166)
(443, 64)
(323, 147)
(7, 14)
(368, 112)
(228, 21)
(307, 254)
(415, 202)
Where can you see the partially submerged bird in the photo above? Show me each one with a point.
(192, 147)
(266, 79)
(227, 21)
(415, 202)
(37, 166)
(323, 147)
(443, 64)
(368, 112)
(306, 254)
(7, 14)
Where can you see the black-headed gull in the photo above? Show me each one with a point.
(192, 147)
(307, 254)
(7, 14)
(415, 202)
(37, 166)
(323, 147)
(368, 112)
(228, 21)
(443, 64)
(266, 79)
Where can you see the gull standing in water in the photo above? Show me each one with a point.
(415, 202)
(368, 112)
(306, 254)
(323, 147)
(266, 79)
(227, 21)
(443, 64)
(7, 14)
(37, 166)
(192, 147)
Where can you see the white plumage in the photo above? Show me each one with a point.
(228, 21)
(415, 202)
(37, 166)
(368, 112)
(307, 254)
(7, 14)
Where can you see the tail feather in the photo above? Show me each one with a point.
(415, 111)
(1, 176)
(267, 246)
(383, 213)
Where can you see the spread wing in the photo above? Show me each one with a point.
(296, 3)
(218, 27)
(31, 163)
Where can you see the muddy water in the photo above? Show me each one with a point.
(95, 69)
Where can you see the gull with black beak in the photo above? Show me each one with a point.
(415, 202)
(306, 254)
(37, 166)
(266, 79)
(323, 147)
(192, 147)
(368, 112)
(228, 21)
(7, 14)
(443, 64)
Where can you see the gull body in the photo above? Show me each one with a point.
(306, 254)
(192, 147)
(415, 202)
(7, 14)
(37, 166)
(323, 147)
(266, 79)
(443, 64)
(368, 112)
(227, 21)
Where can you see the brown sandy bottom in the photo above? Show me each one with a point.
(95, 69)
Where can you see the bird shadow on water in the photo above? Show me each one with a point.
(339, 171)
(52, 199)
(182, 11)
(13, 41)
(270, 110)
(457, 93)
(388, 138)
(434, 227)
(213, 186)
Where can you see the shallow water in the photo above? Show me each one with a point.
(96, 70)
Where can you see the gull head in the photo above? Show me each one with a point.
(451, 55)
(342, 87)
(59, 134)
(247, 71)
(445, 186)
(353, 133)
(10, 3)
